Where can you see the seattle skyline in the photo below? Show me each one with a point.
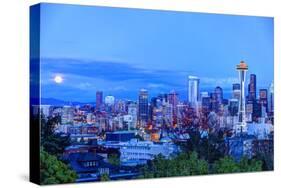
(152, 50)
(122, 94)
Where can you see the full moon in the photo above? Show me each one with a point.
(58, 79)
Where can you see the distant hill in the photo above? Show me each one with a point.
(58, 102)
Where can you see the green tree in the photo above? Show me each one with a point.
(196, 166)
(182, 165)
(114, 159)
(52, 142)
(250, 165)
(53, 171)
(209, 148)
(146, 172)
(104, 177)
(226, 165)
(267, 160)
(216, 147)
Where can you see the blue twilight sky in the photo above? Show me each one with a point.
(120, 51)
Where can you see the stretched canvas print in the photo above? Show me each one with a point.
(122, 94)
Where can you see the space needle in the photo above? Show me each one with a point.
(241, 125)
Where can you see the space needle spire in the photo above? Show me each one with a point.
(241, 126)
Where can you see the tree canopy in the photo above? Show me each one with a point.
(187, 164)
(53, 171)
(182, 165)
(228, 165)
(114, 159)
(104, 177)
(52, 142)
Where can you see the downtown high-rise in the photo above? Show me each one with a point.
(217, 99)
(99, 98)
(143, 112)
(173, 100)
(252, 87)
(263, 100)
(193, 91)
(271, 98)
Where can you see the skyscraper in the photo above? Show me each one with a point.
(132, 110)
(212, 101)
(242, 68)
(218, 95)
(236, 91)
(256, 111)
(173, 100)
(235, 86)
(203, 94)
(206, 102)
(143, 106)
(193, 91)
(271, 98)
(99, 96)
(252, 88)
(263, 99)
(233, 107)
(67, 115)
(152, 107)
(109, 100)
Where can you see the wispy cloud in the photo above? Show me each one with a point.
(155, 85)
(224, 82)
(111, 71)
(83, 78)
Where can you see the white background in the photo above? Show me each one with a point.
(14, 83)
